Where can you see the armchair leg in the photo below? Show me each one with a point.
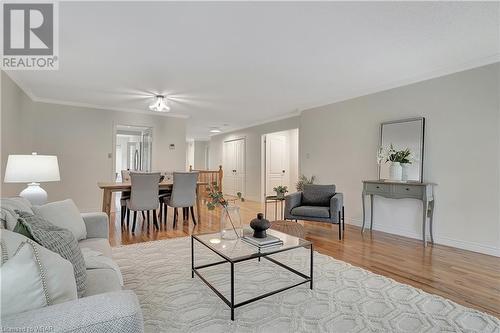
(192, 214)
(175, 216)
(343, 219)
(128, 217)
(340, 226)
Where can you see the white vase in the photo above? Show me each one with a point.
(395, 171)
(404, 169)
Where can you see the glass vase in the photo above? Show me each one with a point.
(230, 222)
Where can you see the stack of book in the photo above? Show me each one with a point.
(263, 242)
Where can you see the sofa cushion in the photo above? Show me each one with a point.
(312, 211)
(101, 280)
(317, 195)
(63, 214)
(8, 206)
(60, 241)
(21, 279)
(97, 244)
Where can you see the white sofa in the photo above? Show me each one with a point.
(105, 307)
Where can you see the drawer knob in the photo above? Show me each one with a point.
(407, 188)
(378, 186)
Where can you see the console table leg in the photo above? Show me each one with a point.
(431, 208)
(425, 207)
(363, 204)
(371, 212)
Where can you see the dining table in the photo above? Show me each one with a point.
(109, 187)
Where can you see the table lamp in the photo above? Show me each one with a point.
(32, 169)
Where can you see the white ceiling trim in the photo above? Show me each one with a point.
(494, 58)
(401, 83)
(37, 99)
(431, 75)
(267, 121)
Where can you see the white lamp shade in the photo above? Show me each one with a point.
(31, 169)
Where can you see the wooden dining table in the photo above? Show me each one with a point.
(109, 187)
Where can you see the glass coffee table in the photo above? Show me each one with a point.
(235, 251)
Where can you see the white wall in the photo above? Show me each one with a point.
(253, 153)
(82, 138)
(200, 155)
(338, 144)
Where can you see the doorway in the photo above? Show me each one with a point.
(233, 163)
(281, 160)
(133, 149)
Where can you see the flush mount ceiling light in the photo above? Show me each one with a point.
(160, 105)
(215, 130)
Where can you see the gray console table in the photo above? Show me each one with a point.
(398, 190)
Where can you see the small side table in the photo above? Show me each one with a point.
(274, 199)
(290, 228)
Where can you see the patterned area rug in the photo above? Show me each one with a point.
(345, 298)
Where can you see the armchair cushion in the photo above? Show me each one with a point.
(317, 195)
(312, 211)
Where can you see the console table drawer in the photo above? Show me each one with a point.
(413, 191)
(380, 188)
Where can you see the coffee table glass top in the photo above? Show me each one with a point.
(238, 249)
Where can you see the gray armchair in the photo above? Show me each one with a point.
(316, 203)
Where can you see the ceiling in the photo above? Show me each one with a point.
(234, 64)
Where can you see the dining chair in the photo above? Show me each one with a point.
(183, 195)
(143, 196)
(125, 195)
(167, 176)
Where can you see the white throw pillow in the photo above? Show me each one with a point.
(21, 287)
(63, 214)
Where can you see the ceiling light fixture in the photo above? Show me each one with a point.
(160, 105)
(215, 130)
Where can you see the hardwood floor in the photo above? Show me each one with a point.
(468, 278)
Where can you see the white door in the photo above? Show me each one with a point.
(276, 162)
(233, 164)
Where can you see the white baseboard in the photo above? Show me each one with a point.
(461, 244)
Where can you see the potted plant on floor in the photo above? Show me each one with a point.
(303, 180)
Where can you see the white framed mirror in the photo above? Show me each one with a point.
(404, 134)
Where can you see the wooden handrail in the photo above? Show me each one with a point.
(210, 176)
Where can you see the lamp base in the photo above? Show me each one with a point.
(35, 194)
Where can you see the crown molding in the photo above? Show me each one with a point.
(37, 99)
(491, 59)
(267, 121)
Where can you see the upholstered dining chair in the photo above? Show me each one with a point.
(183, 195)
(143, 196)
(125, 195)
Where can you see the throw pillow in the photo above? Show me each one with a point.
(63, 214)
(317, 195)
(21, 229)
(58, 240)
(22, 287)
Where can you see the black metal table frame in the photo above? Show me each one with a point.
(230, 303)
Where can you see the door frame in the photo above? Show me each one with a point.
(244, 138)
(114, 130)
(263, 182)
